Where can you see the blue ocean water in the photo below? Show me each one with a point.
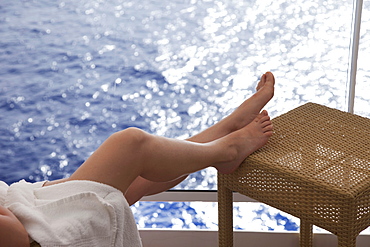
(74, 72)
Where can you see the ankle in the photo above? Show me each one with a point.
(228, 152)
(226, 164)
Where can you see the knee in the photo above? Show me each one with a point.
(131, 136)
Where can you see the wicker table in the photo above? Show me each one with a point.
(316, 167)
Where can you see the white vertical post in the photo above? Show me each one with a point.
(354, 56)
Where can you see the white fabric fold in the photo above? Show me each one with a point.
(73, 213)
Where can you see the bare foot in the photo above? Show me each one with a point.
(251, 107)
(245, 141)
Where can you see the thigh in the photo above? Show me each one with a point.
(113, 163)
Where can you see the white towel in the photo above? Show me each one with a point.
(73, 213)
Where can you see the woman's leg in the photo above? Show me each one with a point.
(131, 153)
(242, 116)
(123, 157)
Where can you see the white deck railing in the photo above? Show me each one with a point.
(209, 238)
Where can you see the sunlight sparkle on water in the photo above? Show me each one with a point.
(172, 68)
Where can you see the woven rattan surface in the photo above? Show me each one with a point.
(316, 167)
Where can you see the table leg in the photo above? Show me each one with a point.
(225, 216)
(346, 241)
(305, 234)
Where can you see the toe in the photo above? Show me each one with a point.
(270, 77)
(261, 82)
